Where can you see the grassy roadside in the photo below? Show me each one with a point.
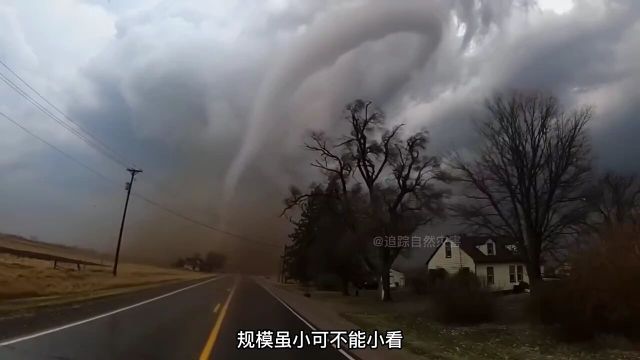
(20, 306)
(432, 340)
(435, 341)
(29, 283)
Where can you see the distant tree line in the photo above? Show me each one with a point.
(211, 262)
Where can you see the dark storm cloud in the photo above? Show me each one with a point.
(206, 95)
(325, 44)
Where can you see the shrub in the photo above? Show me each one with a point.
(462, 299)
(328, 282)
(434, 276)
(423, 282)
(520, 287)
(418, 282)
(552, 304)
(601, 294)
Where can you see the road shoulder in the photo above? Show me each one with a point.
(29, 321)
(327, 318)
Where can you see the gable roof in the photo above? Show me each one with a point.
(412, 259)
(502, 254)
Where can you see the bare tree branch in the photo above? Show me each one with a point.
(532, 172)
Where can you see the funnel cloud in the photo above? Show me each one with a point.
(330, 37)
(213, 101)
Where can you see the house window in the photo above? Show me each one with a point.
(520, 273)
(490, 275)
(490, 249)
(447, 250)
(512, 274)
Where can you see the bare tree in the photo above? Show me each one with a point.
(371, 152)
(529, 178)
(338, 168)
(381, 155)
(343, 247)
(617, 201)
(412, 199)
(415, 174)
(398, 176)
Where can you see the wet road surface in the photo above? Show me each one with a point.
(197, 320)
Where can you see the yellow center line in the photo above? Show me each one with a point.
(208, 347)
(215, 309)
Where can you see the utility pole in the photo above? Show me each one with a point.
(124, 215)
(280, 267)
(283, 265)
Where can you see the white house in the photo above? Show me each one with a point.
(396, 278)
(495, 261)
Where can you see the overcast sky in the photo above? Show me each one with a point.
(212, 99)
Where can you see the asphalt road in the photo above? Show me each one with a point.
(187, 321)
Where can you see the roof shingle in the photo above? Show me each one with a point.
(502, 253)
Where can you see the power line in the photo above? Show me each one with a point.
(140, 196)
(85, 135)
(80, 133)
(200, 223)
(57, 149)
(76, 123)
(94, 142)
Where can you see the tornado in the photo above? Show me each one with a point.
(321, 45)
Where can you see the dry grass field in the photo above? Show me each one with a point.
(20, 243)
(28, 282)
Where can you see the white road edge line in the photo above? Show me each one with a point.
(341, 351)
(80, 322)
(215, 309)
